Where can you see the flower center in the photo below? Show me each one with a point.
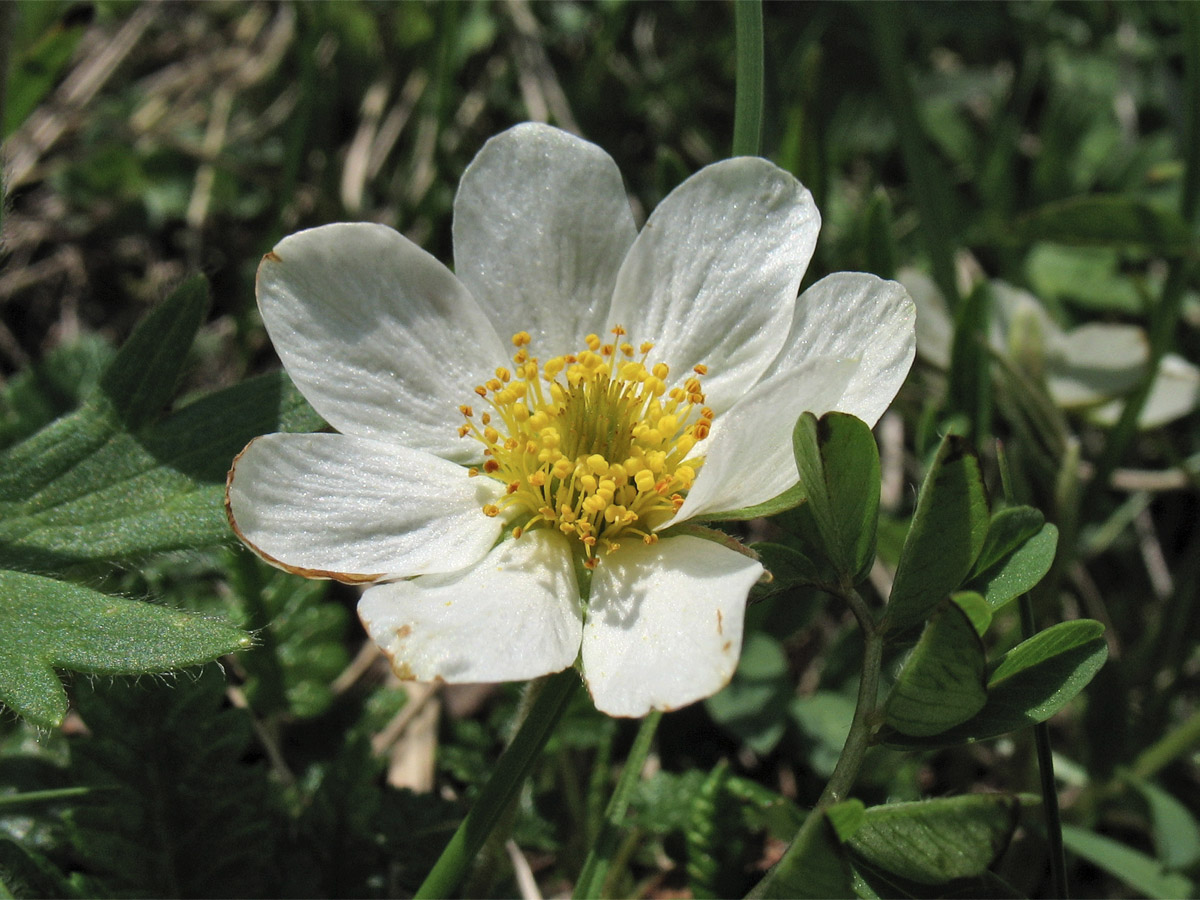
(592, 443)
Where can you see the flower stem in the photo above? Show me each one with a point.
(507, 777)
(748, 97)
(595, 868)
(854, 751)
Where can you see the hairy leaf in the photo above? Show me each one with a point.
(47, 624)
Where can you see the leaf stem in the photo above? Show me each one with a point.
(510, 773)
(748, 96)
(595, 868)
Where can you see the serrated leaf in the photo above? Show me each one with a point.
(141, 380)
(816, 864)
(1028, 684)
(83, 489)
(839, 480)
(942, 682)
(47, 624)
(1143, 873)
(936, 841)
(947, 533)
(1107, 221)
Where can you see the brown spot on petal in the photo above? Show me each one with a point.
(403, 672)
(720, 622)
(725, 647)
(343, 577)
(272, 256)
(403, 631)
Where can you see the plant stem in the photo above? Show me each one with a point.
(595, 868)
(1168, 748)
(845, 773)
(1045, 760)
(510, 773)
(748, 97)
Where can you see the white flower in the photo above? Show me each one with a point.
(479, 483)
(1084, 368)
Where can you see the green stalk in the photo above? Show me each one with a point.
(595, 868)
(748, 98)
(507, 777)
(1045, 760)
(1168, 748)
(854, 751)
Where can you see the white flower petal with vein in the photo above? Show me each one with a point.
(518, 438)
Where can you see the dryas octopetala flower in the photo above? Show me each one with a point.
(517, 439)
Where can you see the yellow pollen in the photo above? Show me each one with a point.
(590, 442)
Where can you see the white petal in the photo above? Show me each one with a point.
(1175, 393)
(854, 315)
(515, 615)
(713, 276)
(748, 454)
(336, 506)
(541, 224)
(664, 624)
(378, 335)
(1097, 362)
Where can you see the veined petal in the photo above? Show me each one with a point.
(541, 224)
(855, 315)
(664, 624)
(356, 509)
(712, 277)
(748, 456)
(379, 336)
(515, 615)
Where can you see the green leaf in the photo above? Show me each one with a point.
(947, 533)
(935, 841)
(789, 568)
(817, 864)
(1018, 552)
(789, 499)
(1107, 221)
(754, 705)
(141, 380)
(1027, 685)
(83, 489)
(839, 479)
(47, 624)
(942, 682)
(185, 809)
(1141, 872)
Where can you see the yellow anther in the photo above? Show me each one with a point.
(700, 369)
(588, 443)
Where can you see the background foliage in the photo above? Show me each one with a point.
(1046, 145)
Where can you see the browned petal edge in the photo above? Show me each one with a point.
(343, 577)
